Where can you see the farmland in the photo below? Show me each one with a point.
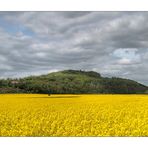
(73, 115)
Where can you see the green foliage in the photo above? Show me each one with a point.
(80, 72)
(123, 86)
(71, 81)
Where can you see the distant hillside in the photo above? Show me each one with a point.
(72, 82)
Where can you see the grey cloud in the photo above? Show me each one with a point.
(51, 41)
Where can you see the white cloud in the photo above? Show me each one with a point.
(124, 61)
(127, 55)
(40, 46)
(40, 54)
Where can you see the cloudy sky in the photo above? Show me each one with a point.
(111, 43)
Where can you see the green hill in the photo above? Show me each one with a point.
(72, 82)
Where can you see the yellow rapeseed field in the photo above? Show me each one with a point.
(73, 115)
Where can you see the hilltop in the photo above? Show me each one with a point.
(72, 82)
